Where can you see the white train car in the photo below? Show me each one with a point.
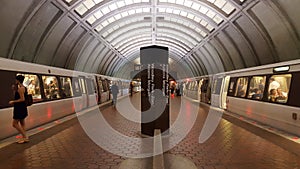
(267, 94)
(198, 88)
(56, 93)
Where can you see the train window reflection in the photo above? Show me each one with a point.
(256, 88)
(279, 86)
(32, 83)
(66, 86)
(51, 87)
(241, 87)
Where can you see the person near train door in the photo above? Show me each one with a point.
(114, 92)
(20, 109)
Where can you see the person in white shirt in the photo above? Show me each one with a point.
(273, 84)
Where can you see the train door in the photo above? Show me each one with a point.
(91, 91)
(82, 84)
(223, 92)
(100, 88)
(217, 90)
(199, 90)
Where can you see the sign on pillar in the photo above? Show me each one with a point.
(154, 94)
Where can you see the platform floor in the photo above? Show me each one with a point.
(233, 145)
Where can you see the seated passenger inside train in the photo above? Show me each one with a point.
(273, 95)
(257, 94)
(281, 96)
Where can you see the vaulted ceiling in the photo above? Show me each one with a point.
(104, 36)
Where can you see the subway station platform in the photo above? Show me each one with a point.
(235, 144)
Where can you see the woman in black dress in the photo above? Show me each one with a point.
(20, 109)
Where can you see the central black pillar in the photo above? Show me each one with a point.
(154, 94)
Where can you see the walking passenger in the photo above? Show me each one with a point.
(20, 109)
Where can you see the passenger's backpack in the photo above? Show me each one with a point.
(28, 98)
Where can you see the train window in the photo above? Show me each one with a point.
(256, 87)
(105, 85)
(100, 86)
(90, 86)
(278, 89)
(76, 87)
(32, 83)
(241, 87)
(217, 86)
(66, 86)
(82, 85)
(51, 89)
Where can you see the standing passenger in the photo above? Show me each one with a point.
(20, 109)
(114, 91)
(131, 88)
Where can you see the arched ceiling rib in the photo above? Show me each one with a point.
(130, 24)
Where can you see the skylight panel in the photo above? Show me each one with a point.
(104, 23)
(97, 1)
(68, 1)
(228, 8)
(203, 10)
(99, 27)
(116, 27)
(91, 19)
(220, 3)
(218, 19)
(81, 9)
(196, 6)
(188, 3)
(139, 10)
(105, 34)
(128, 2)
(183, 13)
(203, 22)
(171, 1)
(124, 14)
(179, 2)
(197, 19)
(121, 4)
(209, 27)
(162, 10)
(131, 12)
(203, 34)
(98, 14)
(176, 11)
(113, 6)
(105, 10)
(146, 9)
(110, 31)
(169, 10)
(89, 3)
(198, 30)
(118, 16)
(190, 16)
(211, 14)
(111, 19)
(180, 21)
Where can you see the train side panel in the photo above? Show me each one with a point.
(278, 116)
